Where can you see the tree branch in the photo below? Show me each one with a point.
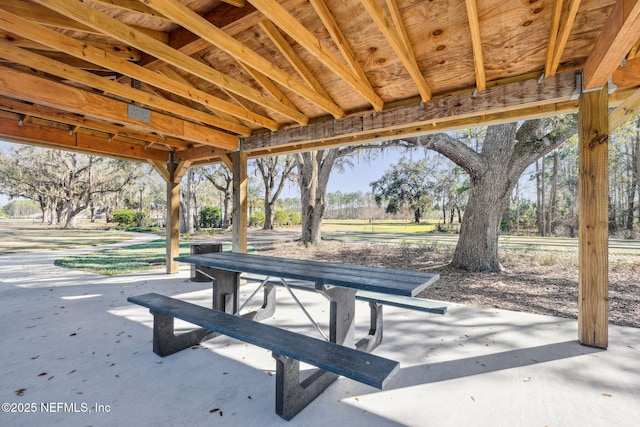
(473, 163)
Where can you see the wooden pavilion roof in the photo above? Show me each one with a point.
(140, 79)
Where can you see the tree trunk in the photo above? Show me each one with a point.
(477, 248)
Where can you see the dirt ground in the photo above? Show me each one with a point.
(541, 282)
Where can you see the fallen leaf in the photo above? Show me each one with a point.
(606, 394)
(249, 397)
(20, 392)
(473, 398)
(270, 373)
(42, 374)
(214, 410)
(357, 399)
(73, 334)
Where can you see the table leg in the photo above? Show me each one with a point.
(342, 314)
(225, 290)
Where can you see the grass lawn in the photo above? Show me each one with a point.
(130, 259)
(21, 237)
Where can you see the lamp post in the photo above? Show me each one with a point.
(141, 188)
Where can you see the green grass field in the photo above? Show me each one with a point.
(130, 259)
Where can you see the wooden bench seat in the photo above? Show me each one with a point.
(288, 349)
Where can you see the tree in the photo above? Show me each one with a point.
(406, 184)
(275, 171)
(314, 169)
(222, 179)
(63, 183)
(494, 169)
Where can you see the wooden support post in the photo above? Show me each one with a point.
(593, 300)
(173, 215)
(239, 159)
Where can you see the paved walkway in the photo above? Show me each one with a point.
(75, 353)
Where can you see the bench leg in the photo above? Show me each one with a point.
(374, 338)
(166, 342)
(292, 396)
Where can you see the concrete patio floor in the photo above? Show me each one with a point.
(75, 353)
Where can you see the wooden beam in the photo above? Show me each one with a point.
(625, 111)
(129, 35)
(283, 19)
(68, 98)
(627, 76)
(405, 53)
(198, 154)
(476, 43)
(11, 130)
(593, 299)
(217, 37)
(508, 101)
(232, 20)
(38, 62)
(44, 16)
(267, 85)
(563, 36)
(117, 50)
(556, 14)
(77, 121)
(80, 49)
(162, 170)
(134, 6)
(290, 54)
(239, 213)
(618, 36)
(338, 38)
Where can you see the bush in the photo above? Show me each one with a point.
(280, 217)
(124, 218)
(210, 217)
(295, 218)
(257, 219)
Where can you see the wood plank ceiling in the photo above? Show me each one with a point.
(140, 79)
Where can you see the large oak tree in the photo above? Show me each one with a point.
(494, 169)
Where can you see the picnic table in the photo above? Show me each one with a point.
(339, 354)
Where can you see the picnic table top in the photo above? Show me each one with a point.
(374, 279)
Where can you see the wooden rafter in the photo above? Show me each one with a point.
(404, 52)
(129, 35)
(44, 16)
(61, 96)
(38, 62)
(232, 20)
(82, 122)
(133, 6)
(267, 85)
(117, 50)
(556, 14)
(620, 33)
(560, 41)
(335, 32)
(476, 44)
(79, 49)
(288, 52)
(283, 19)
(200, 26)
(167, 71)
